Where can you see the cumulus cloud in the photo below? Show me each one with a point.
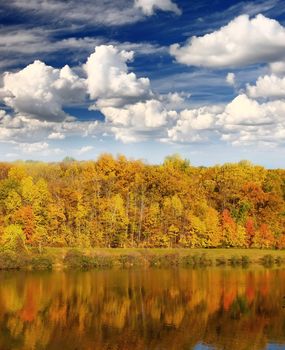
(127, 135)
(41, 91)
(85, 149)
(231, 79)
(24, 130)
(137, 122)
(246, 121)
(37, 148)
(56, 136)
(244, 111)
(133, 112)
(242, 42)
(33, 147)
(108, 79)
(268, 86)
(277, 67)
(149, 114)
(192, 124)
(243, 121)
(38, 94)
(148, 7)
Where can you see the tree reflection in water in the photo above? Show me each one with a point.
(149, 309)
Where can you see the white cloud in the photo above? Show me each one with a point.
(87, 12)
(85, 149)
(242, 42)
(231, 79)
(56, 136)
(93, 12)
(40, 91)
(193, 123)
(33, 147)
(244, 111)
(174, 100)
(11, 155)
(126, 135)
(108, 79)
(27, 130)
(277, 67)
(149, 114)
(22, 41)
(148, 7)
(268, 86)
(40, 148)
(19, 47)
(133, 113)
(245, 121)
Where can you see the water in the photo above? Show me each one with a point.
(143, 309)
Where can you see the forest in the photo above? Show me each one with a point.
(116, 202)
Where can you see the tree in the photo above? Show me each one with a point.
(14, 239)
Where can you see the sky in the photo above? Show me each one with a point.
(143, 78)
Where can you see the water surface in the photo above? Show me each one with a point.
(143, 309)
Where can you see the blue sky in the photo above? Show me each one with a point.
(145, 78)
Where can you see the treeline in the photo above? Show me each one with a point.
(115, 202)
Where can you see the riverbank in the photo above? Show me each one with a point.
(70, 258)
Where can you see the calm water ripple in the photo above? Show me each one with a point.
(143, 309)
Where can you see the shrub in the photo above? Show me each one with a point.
(245, 260)
(196, 260)
(170, 260)
(279, 260)
(77, 260)
(204, 261)
(235, 260)
(129, 260)
(41, 263)
(187, 260)
(163, 260)
(154, 260)
(9, 260)
(102, 261)
(267, 260)
(221, 261)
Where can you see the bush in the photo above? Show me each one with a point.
(196, 260)
(102, 261)
(234, 260)
(76, 260)
(187, 260)
(9, 260)
(170, 260)
(245, 260)
(41, 263)
(163, 260)
(221, 261)
(267, 260)
(279, 260)
(130, 260)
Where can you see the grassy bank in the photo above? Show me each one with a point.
(69, 258)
